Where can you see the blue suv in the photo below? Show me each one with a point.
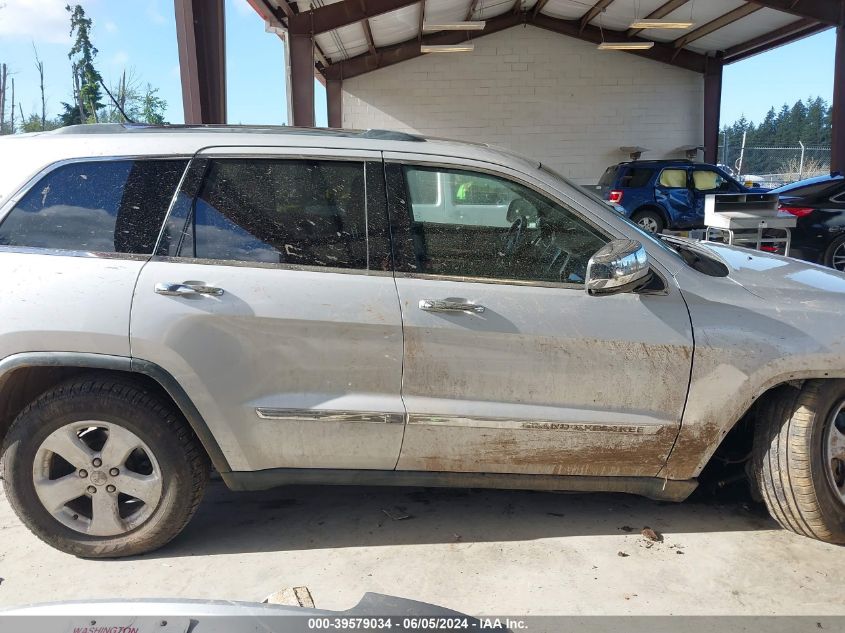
(666, 194)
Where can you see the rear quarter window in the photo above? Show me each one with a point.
(609, 176)
(98, 206)
(637, 177)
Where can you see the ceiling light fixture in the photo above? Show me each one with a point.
(447, 48)
(430, 27)
(625, 46)
(659, 24)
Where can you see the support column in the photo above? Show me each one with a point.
(302, 79)
(201, 35)
(712, 108)
(334, 99)
(837, 145)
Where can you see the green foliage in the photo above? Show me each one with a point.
(32, 123)
(152, 107)
(86, 77)
(808, 123)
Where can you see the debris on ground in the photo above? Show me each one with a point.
(622, 554)
(556, 514)
(291, 596)
(396, 514)
(627, 528)
(651, 535)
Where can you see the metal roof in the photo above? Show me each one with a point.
(353, 37)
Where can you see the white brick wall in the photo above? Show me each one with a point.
(539, 93)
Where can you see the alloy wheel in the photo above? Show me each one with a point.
(649, 224)
(834, 449)
(97, 478)
(838, 259)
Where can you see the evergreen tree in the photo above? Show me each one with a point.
(86, 78)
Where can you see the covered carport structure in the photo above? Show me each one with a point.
(343, 42)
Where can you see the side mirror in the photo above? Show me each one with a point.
(618, 266)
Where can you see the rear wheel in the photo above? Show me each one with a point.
(834, 256)
(799, 458)
(103, 468)
(649, 220)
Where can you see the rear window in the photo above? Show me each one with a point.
(609, 176)
(637, 177)
(96, 206)
(813, 189)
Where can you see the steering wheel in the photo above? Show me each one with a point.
(514, 237)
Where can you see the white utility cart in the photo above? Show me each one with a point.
(747, 219)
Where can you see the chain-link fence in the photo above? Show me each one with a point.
(775, 166)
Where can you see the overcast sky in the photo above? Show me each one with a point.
(140, 36)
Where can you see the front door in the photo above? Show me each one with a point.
(510, 366)
(274, 306)
(672, 190)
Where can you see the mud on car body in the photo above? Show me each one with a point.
(374, 307)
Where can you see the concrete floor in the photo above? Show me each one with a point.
(480, 552)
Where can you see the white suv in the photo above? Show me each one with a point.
(346, 307)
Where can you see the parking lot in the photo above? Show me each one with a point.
(480, 552)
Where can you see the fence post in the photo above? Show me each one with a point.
(801, 164)
(741, 157)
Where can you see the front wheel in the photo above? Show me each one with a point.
(799, 458)
(649, 220)
(103, 468)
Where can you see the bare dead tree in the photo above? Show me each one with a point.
(2, 96)
(12, 109)
(40, 66)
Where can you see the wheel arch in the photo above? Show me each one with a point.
(696, 449)
(25, 376)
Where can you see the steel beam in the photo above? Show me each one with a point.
(660, 12)
(389, 55)
(201, 38)
(333, 16)
(334, 100)
(660, 52)
(837, 145)
(471, 10)
(302, 79)
(408, 50)
(597, 8)
(714, 25)
(766, 42)
(827, 11)
(712, 107)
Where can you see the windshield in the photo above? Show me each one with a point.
(605, 208)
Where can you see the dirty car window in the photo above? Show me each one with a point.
(280, 211)
(97, 206)
(491, 227)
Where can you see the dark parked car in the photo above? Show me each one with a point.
(819, 205)
(666, 194)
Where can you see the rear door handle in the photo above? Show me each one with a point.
(170, 289)
(446, 305)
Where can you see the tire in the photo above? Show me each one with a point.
(792, 463)
(107, 417)
(834, 256)
(649, 220)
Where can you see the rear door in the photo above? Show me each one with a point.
(272, 301)
(75, 240)
(510, 366)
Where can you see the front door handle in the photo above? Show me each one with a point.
(188, 288)
(448, 305)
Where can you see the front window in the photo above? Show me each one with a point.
(490, 227)
(711, 181)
